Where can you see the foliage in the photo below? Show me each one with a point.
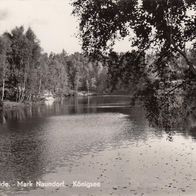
(125, 70)
(162, 68)
(164, 26)
(164, 23)
(4, 66)
(26, 73)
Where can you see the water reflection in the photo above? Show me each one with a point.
(172, 108)
(77, 105)
(40, 139)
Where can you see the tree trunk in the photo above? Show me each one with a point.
(19, 93)
(1, 106)
(76, 84)
(40, 85)
(76, 88)
(3, 90)
(24, 87)
(88, 86)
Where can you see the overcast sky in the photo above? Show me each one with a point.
(51, 21)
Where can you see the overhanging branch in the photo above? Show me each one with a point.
(189, 63)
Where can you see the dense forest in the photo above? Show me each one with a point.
(163, 33)
(26, 72)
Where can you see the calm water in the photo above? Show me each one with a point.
(96, 139)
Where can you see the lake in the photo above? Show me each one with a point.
(100, 140)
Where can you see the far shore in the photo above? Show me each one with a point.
(9, 105)
(12, 105)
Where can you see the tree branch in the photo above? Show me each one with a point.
(189, 63)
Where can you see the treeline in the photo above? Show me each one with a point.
(26, 72)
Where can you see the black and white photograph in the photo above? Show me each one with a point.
(97, 97)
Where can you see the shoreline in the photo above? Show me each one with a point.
(12, 105)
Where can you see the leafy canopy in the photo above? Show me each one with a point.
(167, 25)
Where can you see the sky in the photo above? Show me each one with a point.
(51, 20)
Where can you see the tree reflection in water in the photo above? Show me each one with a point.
(170, 112)
(172, 108)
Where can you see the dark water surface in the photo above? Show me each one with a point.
(95, 139)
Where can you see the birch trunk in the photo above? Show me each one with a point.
(3, 90)
(40, 84)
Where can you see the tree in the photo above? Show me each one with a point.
(32, 65)
(23, 57)
(125, 70)
(42, 71)
(57, 78)
(74, 64)
(163, 25)
(4, 49)
(164, 28)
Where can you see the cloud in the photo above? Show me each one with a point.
(3, 14)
